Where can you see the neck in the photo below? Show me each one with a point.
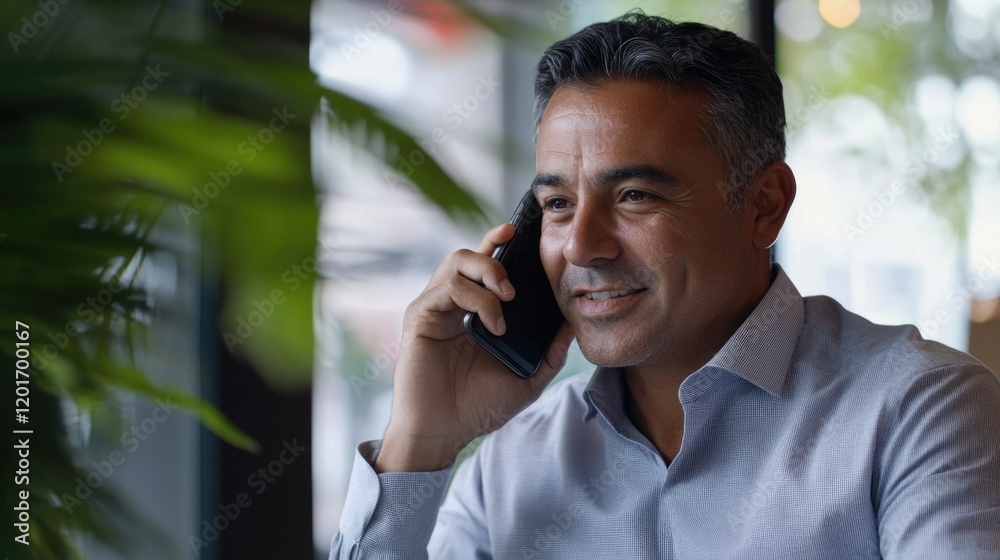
(652, 400)
(654, 408)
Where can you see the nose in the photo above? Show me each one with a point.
(591, 237)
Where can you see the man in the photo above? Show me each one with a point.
(729, 418)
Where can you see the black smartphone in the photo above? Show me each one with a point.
(533, 317)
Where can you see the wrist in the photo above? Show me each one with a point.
(415, 454)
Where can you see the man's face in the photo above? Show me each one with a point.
(648, 265)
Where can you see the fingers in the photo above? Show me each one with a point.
(471, 281)
(497, 281)
(459, 292)
(500, 234)
(478, 266)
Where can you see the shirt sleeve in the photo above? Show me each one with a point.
(937, 486)
(461, 530)
(391, 516)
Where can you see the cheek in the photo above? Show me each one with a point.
(654, 238)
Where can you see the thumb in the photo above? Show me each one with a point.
(555, 358)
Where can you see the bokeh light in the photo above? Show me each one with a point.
(840, 13)
(979, 110)
(798, 20)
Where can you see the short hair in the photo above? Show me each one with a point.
(745, 112)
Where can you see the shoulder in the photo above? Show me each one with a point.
(891, 363)
(830, 331)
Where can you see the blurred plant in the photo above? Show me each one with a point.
(120, 122)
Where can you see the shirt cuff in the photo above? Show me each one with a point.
(390, 514)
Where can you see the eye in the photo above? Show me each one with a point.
(555, 203)
(636, 196)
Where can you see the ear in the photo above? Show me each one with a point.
(768, 200)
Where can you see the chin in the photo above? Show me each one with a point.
(607, 353)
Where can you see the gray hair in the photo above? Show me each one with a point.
(745, 112)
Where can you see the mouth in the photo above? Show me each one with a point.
(604, 303)
(608, 294)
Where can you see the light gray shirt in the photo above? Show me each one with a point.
(812, 434)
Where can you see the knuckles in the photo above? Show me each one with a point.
(454, 283)
(455, 259)
(451, 285)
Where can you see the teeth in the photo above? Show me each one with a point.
(600, 296)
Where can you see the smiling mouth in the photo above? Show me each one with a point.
(601, 296)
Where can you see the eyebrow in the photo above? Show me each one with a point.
(643, 172)
(547, 180)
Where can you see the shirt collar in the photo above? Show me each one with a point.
(605, 391)
(760, 351)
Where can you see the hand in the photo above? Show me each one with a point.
(448, 390)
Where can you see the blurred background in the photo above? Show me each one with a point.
(214, 214)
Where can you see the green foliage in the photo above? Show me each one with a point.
(210, 143)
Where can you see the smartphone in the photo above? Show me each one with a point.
(533, 317)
